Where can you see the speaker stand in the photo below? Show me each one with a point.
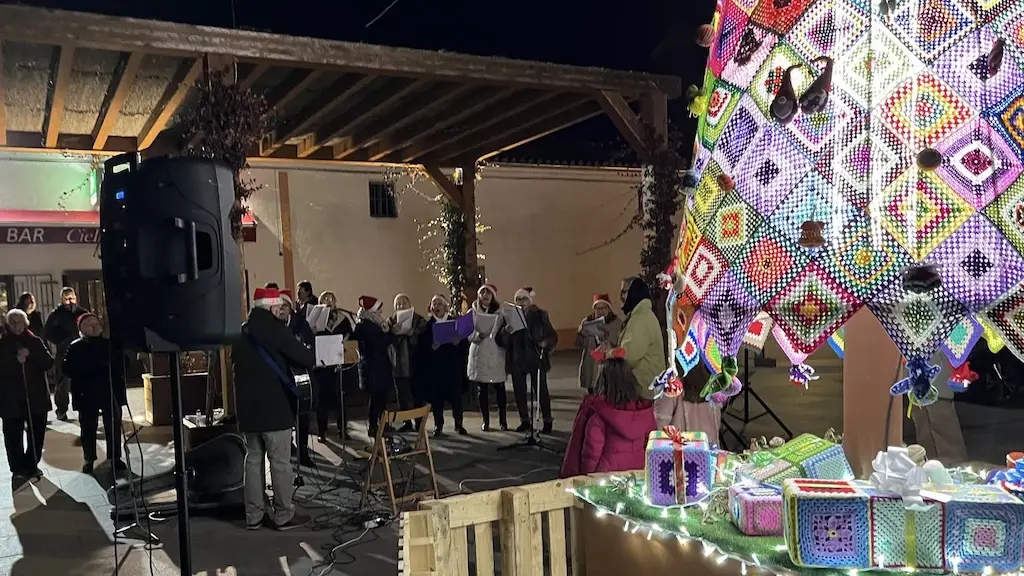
(180, 477)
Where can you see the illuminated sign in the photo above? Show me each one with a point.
(50, 235)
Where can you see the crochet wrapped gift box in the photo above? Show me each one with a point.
(806, 456)
(851, 525)
(756, 510)
(680, 468)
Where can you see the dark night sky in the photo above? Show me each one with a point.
(608, 33)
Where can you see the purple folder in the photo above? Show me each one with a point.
(453, 330)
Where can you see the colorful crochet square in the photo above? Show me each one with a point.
(917, 323)
(678, 473)
(961, 340)
(812, 307)
(920, 211)
(969, 526)
(756, 511)
(806, 456)
(825, 528)
(985, 529)
(1006, 317)
(979, 163)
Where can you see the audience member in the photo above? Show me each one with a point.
(406, 328)
(27, 303)
(376, 359)
(641, 337)
(304, 296)
(264, 360)
(611, 428)
(442, 369)
(97, 386)
(607, 332)
(24, 399)
(61, 329)
(486, 365)
(528, 354)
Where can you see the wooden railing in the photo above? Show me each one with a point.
(530, 530)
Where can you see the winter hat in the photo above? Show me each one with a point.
(602, 299)
(266, 297)
(488, 286)
(80, 319)
(526, 292)
(286, 296)
(370, 303)
(440, 297)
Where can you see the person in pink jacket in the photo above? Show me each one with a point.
(611, 427)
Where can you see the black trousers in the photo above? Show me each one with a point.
(23, 455)
(302, 435)
(90, 420)
(329, 399)
(500, 394)
(523, 401)
(453, 395)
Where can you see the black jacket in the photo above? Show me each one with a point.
(35, 323)
(375, 368)
(262, 403)
(406, 344)
(300, 328)
(95, 369)
(521, 355)
(442, 372)
(16, 385)
(62, 325)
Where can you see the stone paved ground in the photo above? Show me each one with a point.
(62, 526)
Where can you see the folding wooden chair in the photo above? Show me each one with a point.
(379, 453)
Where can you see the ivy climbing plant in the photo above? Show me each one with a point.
(226, 123)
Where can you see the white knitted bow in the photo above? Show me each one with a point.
(896, 473)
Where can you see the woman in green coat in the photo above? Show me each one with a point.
(641, 337)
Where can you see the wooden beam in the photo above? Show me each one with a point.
(539, 130)
(62, 79)
(253, 76)
(296, 83)
(305, 120)
(627, 122)
(529, 101)
(513, 125)
(172, 98)
(349, 126)
(444, 184)
(654, 111)
(56, 27)
(468, 206)
(3, 101)
(111, 109)
(424, 105)
(492, 97)
(285, 209)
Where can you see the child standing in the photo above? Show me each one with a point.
(612, 425)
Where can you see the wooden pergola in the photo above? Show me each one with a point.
(100, 84)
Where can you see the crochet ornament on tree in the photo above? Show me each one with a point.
(855, 153)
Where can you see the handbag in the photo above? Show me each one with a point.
(298, 385)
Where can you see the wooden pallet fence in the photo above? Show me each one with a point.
(530, 530)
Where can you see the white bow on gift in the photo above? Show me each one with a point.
(896, 473)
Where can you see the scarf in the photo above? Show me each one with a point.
(636, 293)
(443, 318)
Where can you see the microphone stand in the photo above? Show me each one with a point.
(533, 438)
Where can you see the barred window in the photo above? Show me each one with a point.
(382, 200)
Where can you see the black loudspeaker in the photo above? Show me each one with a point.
(171, 270)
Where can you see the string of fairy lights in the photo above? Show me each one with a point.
(672, 520)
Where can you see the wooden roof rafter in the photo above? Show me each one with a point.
(335, 101)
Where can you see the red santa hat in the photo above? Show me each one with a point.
(370, 303)
(525, 292)
(602, 299)
(266, 297)
(286, 296)
(488, 286)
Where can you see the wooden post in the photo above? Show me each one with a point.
(287, 250)
(515, 526)
(872, 363)
(468, 205)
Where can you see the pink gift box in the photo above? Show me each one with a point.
(756, 510)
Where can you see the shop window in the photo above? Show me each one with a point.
(383, 203)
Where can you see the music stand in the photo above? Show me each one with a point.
(532, 438)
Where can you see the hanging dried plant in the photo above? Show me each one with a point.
(226, 123)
